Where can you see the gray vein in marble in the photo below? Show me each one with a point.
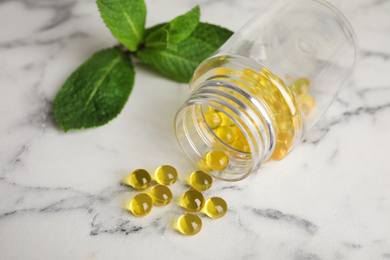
(62, 10)
(367, 53)
(124, 227)
(353, 246)
(232, 187)
(323, 127)
(300, 255)
(40, 42)
(92, 204)
(39, 118)
(292, 219)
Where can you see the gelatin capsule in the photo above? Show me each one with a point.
(213, 119)
(284, 138)
(217, 160)
(225, 71)
(216, 207)
(141, 205)
(193, 200)
(225, 120)
(241, 145)
(201, 181)
(226, 134)
(161, 195)
(279, 153)
(139, 179)
(203, 164)
(166, 175)
(251, 77)
(189, 224)
(307, 103)
(238, 132)
(300, 86)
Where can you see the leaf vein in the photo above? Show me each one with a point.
(136, 33)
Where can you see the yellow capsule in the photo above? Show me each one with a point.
(192, 200)
(300, 86)
(217, 160)
(189, 224)
(225, 120)
(211, 109)
(226, 134)
(141, 205)
(279, 153)
(241, 145)
(161, 195)
(203, 164)
(201, 181)
(271, 76)
(238, 132)
(307, 103)
(139, 179)
(213, 119)
(225, 71)
(166, 175)
(251, 77)
(284, 139)
(216, 207)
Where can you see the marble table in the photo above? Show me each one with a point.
(60, 193)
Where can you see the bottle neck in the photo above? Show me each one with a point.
(248, 114)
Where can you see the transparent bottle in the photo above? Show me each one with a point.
(266, 87)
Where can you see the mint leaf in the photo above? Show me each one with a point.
(169, 34)
(181, 64)
(96, 92)
(160, 40)
(125, 19)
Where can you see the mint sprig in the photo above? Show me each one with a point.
(97, 91)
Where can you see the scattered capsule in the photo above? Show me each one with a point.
(193, 200)
(203, 164)
(217, 160)
(161, 195)
(141, 205)
(213, 119)
(189, 224)
(166, 175)
(139, 179)
(201, 181)
(226, 134)
(225, 120)
(216, 207)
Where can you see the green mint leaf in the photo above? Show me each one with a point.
(182, 26)
(161, 40)
(172, 33)
(96, 92)
(181, 64)
(125, 19)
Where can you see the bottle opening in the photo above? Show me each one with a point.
(238, 116)
(222, 134)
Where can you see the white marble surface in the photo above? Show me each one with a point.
(60, 194)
